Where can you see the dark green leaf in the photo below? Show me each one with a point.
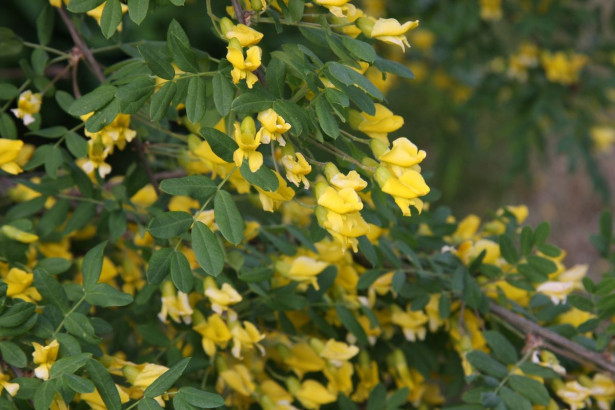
(167, 379)
(220, 143)
(50, 289)
(147, 403)
(76, 144)
(77, 384)
(532, 389)
(507, 247)
(44, 395)
(351, 323)
(228, 218)
(195, 100)
(252, 102)
(194, 186)
(105, 295)
(181, 273)
(92, 265)
(104, 117)
(51, 132)
(168, 225)
(104, 384)
(360, 49)
(92, 101)
(486, 364)
(17, 314)
(207, 250)
(81, 6)
(111, 17)
(179, 47)
(137, 10)
(393, 67)
(161, 100)
(68, 365)
(13, 355)
(501, 347)
(156, 62)
(201, 399)
(159, 266)
(263, 178)
(326, 120)
(223, 93)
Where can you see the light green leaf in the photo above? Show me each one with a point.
(76, 144)
(201, 399)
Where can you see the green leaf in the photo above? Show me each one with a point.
(513, 401)
(160, 101)
(393, 67)
(542, 265)
(501, 347)
(293, 114)
(179, 47)
(377, 398)
(537, 370)
(51, 132)
(77, 384)
(228, 218)
(326, 120)
(397, 399)
(76, 144)
(167, 379)
(117, 224)
(220, 143)
(223, 93)
(181, 273)
(68, 365)
(44, 395)
(82, 215)
(105, 295)
(136, 90)
(255, 275)
(349, 77)
(78, 325)
(526, 240)
(168, 225)
(44, 24)
(532, 389)
(8, 91)
(507, 247)
(10, 44)
(207, 250)
(549, 250)
(53, 161)
(81, 6)
(541, 234)
(17, 314)
(111, 17)
(254, 101)
(27, 387)
(25, 209)
(194, 186)
(13, 355)
(156, 62)
(360, 49)
(159, 266)
(201, 399)
(92, 265)
(148, 404)
(54, 266)
(50, 289)
(92, 101)
(195, 100)
(103, 117)
(276, 73)
(486, 364)
(351, 323)
(137, 10)
(606, 225)
(263, 178)
(104, 384)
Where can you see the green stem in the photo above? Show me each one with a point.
(50, 49)
(75, 306)
(524, 359)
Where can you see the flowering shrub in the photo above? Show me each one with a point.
(249, 231)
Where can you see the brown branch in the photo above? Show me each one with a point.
(573, 349)
(79, 42)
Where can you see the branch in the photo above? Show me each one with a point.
(79, 42)
(574, 349)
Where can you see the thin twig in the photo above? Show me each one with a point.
(573, 348)
(79, 42)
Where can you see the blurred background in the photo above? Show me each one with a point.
(513, 100)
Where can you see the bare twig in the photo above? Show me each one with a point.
(79, 42)
(573, 349)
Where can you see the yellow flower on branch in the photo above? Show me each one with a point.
(20, 285)
(9, 152)
(380, 124)
(272, 200)
(28, 104)
(338, 352)
(312, 395)
(246, 36)
(11, 388)
(296, 169)
(243, 67)
(387, 30)
(272, 127)
(215, 333)
(248, 141)
(175, 305)
(18, 235)
(45, 357)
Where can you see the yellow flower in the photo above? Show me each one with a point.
(562, 68)
(296, 169)
(58, 3)
(368, 378)
(177, 306)
(243, 67)
(20, 285)
(403, 154)
(272, 200)
(18, 235)
(245, 35)
(338, 352)
(573, 394)
(491, 9)
(603, 390)
(239, 379)
(312, 395)
(547, 359)
(245, 338)
(141, 376)
(28, 104)
(183, 203)
(11, 388)
(392, 32)
(352, 226)
(221, 298)
(303, 359)
(95, 401)
(9, 151)
(412, 323)
(215, 333)
(405, 190)
(603, 138)
(248, 141)
(276, 396)
(45, 357)
(340, 181)
(302, 269)
(205, 152)
(97, 154)
(272, 127)
(340, 378)
(331, 3)
(381, 123)
(145, 196)
(342, 202)
(557, 291)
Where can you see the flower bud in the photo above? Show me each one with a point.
(168, 289)
(248, 126)
(378, 147)
(283, 351)
(197, 318)
(354, 118)
(193, 142)
(293, 386)
(317, 345)
(130, 373)
(226, 25)
(366, 25)
(258, 5)
(320, 189)
(331, 170)
(382, 175)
